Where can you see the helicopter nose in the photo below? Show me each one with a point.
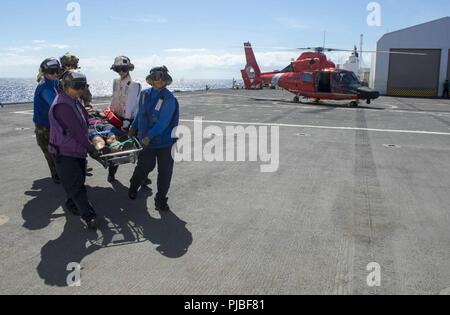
(365, 93)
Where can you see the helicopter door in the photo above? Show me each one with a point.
(336, 86)
(324, 82)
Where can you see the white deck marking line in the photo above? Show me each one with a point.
(321, 127)
(390, 109)
(191, 95)
(24, 112)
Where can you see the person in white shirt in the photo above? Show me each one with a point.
(125, 101)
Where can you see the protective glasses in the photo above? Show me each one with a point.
(122, 69)
(53, 71)
(72, 66)
(157, 76)
(77, 85)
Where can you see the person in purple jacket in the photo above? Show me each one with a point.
(69, 145)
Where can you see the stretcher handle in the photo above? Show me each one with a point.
(139, 149)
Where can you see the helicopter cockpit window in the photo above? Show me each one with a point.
(349, 82)
(288, 69)
(307, 77)
(349, 78)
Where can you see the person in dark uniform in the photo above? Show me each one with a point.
(69, 145)
(70, 62)
(43, 99)
(157, 117)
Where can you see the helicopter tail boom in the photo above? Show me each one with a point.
(252, 72)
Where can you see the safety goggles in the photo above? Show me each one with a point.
(122, 69)
(53, 71)
(157, 76)
(72, 66)
(77, 85)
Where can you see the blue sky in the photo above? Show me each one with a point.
(195, 39)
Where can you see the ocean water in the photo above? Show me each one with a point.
(22, 90)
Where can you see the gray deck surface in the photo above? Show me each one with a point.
(340, 200)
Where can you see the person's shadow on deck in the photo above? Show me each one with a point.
(39, 212)
(122, 222)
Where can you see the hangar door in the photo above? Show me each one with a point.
(414, 75)
(448, 66)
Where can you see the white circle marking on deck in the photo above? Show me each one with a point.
(3, 220)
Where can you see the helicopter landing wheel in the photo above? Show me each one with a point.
(354, 104)
(317, 101)
(297, 99)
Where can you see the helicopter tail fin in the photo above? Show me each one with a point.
(252, 72)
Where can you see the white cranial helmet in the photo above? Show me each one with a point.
(122, 62)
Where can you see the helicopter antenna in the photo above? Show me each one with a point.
(360, 53)
(324, 38)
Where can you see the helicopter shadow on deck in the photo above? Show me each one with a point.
(328, 106)
(122, 222)
(339, 105)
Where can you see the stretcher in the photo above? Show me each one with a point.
(102, 126)
(122, 157)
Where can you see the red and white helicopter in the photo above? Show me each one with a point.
(311, 76)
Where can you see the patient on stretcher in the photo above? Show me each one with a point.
(116, 146)
(108, 139)
(111, 144)
(98, 142)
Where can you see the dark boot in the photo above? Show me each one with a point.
(56, 179)
(72, 208)
(132, 193)
(92, 223)
(162, 205)
(111, 179)
(147, 182)
(112, 174)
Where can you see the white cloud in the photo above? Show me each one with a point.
(186, 50)
(144, 20)
(16, 60)
(38, 45)
(59, 46)
(102, 63)
(14, 50)
(188, 63)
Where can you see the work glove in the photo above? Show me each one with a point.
(93, 152)
(146, 142)
(132, 133)
(89, 108)
(126, 125)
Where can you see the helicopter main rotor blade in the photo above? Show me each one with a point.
(376, 52)
(394, 52)
(323, 49)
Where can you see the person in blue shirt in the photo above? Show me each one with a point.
(157, 117)
(44, 96)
